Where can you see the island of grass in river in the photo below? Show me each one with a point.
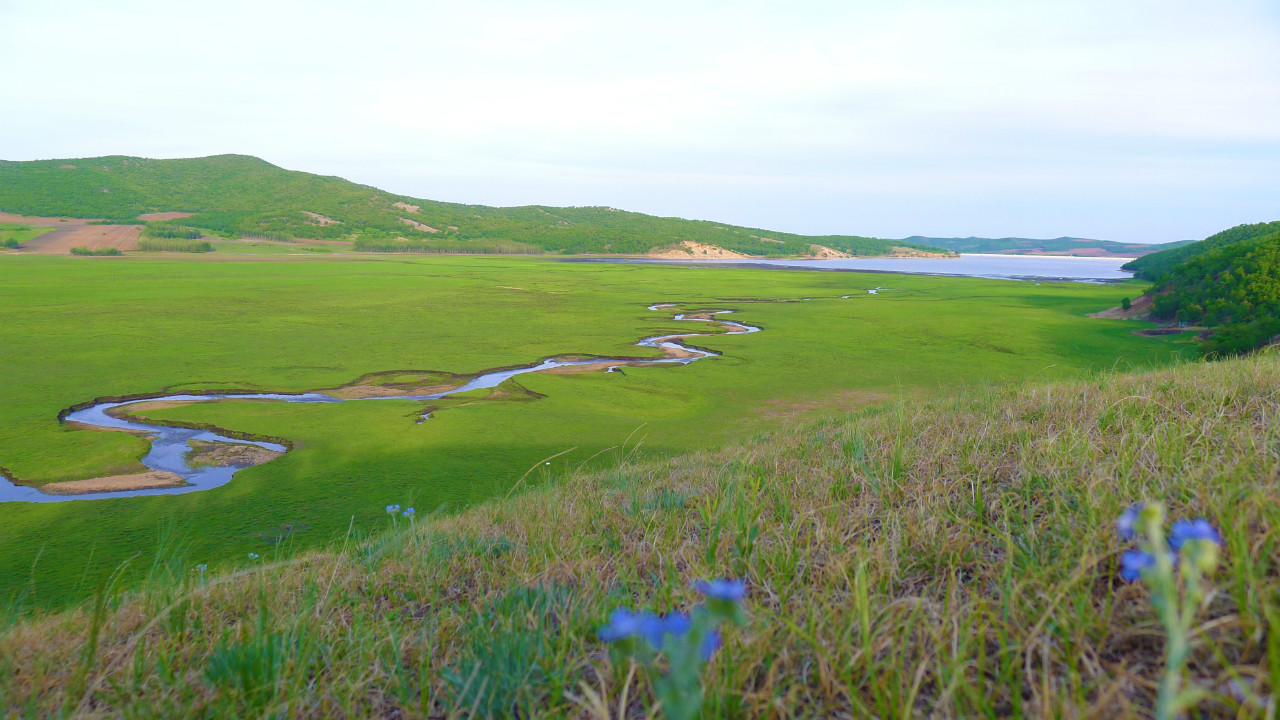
(77, 329)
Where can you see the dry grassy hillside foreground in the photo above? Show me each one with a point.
(952, 559)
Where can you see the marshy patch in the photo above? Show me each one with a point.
(217, 454)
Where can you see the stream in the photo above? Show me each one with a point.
(170, 445)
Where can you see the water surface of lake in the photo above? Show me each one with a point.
(1015, 267)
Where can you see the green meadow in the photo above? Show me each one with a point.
(13, 235)
(75, 329)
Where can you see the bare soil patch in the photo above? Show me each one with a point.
(395, 383)
(1138, 310)
(321, 220)
(822, 252)
(143, 407)
(586, 368)
(163, 216)
(1082, 252)
(206, 454)
(679, 353)
(406, 207)
(905, 252)
(115, 483)
(95, 237)
(419, 226)
(692, 250)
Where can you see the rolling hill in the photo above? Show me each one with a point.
(1233, 289)
(1029, 246)
(1155, 266)
(242, 196)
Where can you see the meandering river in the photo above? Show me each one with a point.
(171, 445)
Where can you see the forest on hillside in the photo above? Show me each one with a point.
(1155, 266)
(1233, 288)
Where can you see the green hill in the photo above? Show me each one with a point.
(1233, 288)
(1155, 266)
(1031, 246)
(952, 558)
(241, 196)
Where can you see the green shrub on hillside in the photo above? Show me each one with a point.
(95, 252)
(477, 247)
(169, 230)
(174, 244)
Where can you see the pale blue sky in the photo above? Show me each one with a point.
(1125, 119)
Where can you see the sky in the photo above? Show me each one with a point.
(1125, 120)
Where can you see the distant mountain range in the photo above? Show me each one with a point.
(1081, 247)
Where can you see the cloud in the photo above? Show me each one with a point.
(752, 103)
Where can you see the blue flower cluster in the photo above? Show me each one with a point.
(1134, 562)
(393, 509)
(659, 630)
(686, 640)
(656, 629)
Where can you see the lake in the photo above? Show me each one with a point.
(1010, 267)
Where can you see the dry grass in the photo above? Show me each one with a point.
(949, 559)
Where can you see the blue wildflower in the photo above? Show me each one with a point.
(625, 624)
(409, 512)
(253, 556)
(393, 509)
(201, 568)
(1133, 562)
(676, 624)
(1198, 529)
(1127, 524)
(731, 590)
(711, 642)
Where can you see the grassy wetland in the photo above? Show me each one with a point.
(97, 328)
(954, 557)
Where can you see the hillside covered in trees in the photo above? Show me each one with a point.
(242, 196)
(1155, 266)
(1233, 288)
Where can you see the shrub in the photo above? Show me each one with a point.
(169, 230)
(174, 244)
(99, 252)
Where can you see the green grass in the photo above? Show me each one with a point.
(12, 235)
(949, 558)
(241, 196)
(150, 325)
